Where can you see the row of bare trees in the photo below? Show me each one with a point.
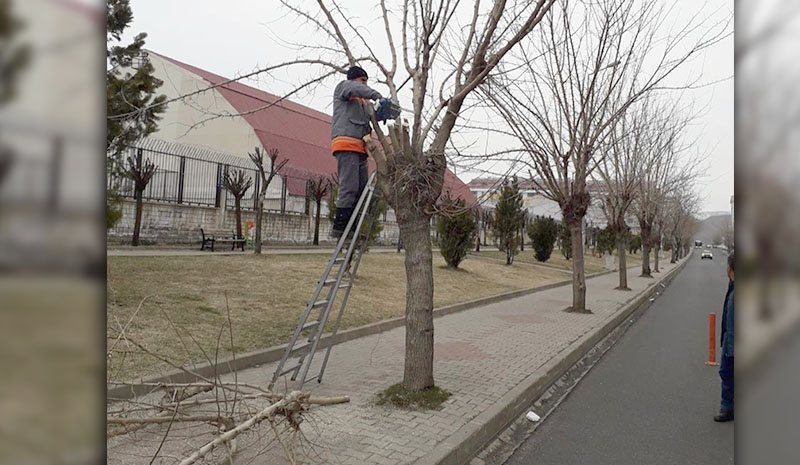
(645, 175)
(587, 98)
(237, 182)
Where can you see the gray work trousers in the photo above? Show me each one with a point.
(352, 168)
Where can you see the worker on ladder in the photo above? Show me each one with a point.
(350, 124)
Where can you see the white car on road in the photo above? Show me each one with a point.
(706, 254)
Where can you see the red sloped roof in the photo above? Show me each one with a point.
(457, 188)
(301, 134)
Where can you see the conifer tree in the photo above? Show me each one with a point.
(508, 217)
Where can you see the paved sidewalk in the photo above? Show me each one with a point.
(480, 355)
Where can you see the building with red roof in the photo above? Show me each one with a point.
(232, 117)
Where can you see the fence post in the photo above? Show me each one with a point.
(218, 191)
(181, 177)
(283, 195)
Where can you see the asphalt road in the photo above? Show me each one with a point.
(651, 399)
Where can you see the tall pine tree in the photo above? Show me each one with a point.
(508, 218)
(457, 229)
(13, 56)
(13, 59)
(132, 107)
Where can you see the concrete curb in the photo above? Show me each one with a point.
(255, 358)
(461, 446)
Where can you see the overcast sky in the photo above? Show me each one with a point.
(233, 38)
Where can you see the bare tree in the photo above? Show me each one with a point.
(266, 173)
(411, 161)
(678, 220)
(487, 221)
(523, 225)
(140, 173)
(664, 173)
(237, 182)
(573, 82)
(620, 172)
(318, 188)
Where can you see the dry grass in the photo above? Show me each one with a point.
(266, 296)
(50, 363)
(592, 264)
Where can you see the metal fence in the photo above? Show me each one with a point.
(193, 176)
(50, 200)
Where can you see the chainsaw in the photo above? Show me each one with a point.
(386, 109)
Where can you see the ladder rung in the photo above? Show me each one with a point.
(319, 303)
(332, 281)
(311, 378)
(309, 325)
(338, 260)
(289, 370)
(301, 346)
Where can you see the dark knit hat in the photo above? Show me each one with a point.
(356, 72)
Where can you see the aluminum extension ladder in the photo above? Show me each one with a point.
(338, 275)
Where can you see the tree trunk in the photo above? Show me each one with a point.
(137, 225)
(578, 277)
(316, 222)
(674, 253)
(646, 261)
(418, 370)
(521, 242)
(478, 242)
(657, 250)
(237, 201)
(259, 219)
(622, 248)
(645, 251)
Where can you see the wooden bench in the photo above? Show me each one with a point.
(211, 237)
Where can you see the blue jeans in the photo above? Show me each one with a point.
(726, 373)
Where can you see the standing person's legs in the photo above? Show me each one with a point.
(362, 175)
(726, 374)
(349, 171)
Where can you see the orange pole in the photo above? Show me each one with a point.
(712, 340)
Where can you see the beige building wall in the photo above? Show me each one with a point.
(192, 121)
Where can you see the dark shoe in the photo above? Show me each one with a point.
(724, 416)
(340, 220)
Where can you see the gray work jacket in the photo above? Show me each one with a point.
(350, 118)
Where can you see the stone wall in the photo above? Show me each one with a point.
(164, 223)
